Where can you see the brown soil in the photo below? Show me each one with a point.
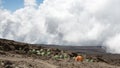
(18, 55)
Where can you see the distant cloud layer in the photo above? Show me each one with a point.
(67, 22)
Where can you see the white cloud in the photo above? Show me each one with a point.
(79, 22)
(113, 44)
(30, 3)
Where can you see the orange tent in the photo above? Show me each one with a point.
(79, 58)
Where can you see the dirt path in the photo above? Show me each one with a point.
(37, 62)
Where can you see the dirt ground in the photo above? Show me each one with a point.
(22, 55)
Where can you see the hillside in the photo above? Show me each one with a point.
(23, 55)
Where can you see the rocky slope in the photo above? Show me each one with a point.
(23, 55)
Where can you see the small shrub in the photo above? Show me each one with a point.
(43, 53)
(56, 57)
(38, 53)
(33, 51)
(20, 48)
(41, 50)
(48, 50)
(48, 53)
(89, 60)
(61, 56)
(65, 55)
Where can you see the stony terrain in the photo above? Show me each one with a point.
(23, 55)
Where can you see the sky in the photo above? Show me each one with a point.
(13, 5)
(62, 22)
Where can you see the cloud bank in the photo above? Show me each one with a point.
(65, 22)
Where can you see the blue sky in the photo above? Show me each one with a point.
(12, 5)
